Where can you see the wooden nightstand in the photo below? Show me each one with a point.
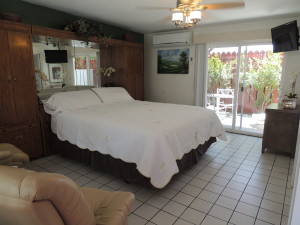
(281, 129)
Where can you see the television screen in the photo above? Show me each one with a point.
(285, 37)
(56, 56)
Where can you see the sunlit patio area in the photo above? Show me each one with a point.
(252, 123)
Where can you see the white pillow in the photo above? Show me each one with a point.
(112, 94)
(71, 100)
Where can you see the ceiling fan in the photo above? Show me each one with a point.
(188, 12)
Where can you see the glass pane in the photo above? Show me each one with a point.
(222, 65)
(260, 74)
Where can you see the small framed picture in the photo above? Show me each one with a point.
(55, 72)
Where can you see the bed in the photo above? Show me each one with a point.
(148, 140)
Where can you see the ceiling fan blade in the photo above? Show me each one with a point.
(222, 6)
(165, 19)
(140, 7)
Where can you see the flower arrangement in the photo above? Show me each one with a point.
(41, 74)
(294, 76)
(106, 71)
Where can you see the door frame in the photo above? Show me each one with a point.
(239, 45)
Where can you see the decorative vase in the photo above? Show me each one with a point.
(98, 81)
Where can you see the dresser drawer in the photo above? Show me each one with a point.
(26, 137)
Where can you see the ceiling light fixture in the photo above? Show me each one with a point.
(187, 14)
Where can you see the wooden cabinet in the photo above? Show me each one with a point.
(134, 70)
(18, 115)
(281, 129)
(128, 60)
(27, 137)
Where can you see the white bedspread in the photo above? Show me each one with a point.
(152, 135)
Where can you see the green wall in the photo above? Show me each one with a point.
(42, 16)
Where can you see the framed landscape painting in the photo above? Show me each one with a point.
(173, 61)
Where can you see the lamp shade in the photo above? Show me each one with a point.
(177, 16)
(195, 16)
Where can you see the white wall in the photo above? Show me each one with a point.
(291, 64)
(180, 88)
(172, 88)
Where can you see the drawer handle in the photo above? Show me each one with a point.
(4, 131)
(30, 125)
(19, 137)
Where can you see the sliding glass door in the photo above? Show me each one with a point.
(221, 86)
(242, 81)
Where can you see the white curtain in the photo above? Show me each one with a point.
(200, 74)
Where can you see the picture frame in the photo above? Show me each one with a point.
(55, 73)
(173, 61)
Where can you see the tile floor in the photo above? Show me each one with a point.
(233, 183)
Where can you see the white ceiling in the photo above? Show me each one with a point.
(149, 16)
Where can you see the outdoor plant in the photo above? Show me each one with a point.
(263, 78)
(220, 73)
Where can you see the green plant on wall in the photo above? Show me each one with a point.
(263, 77)
(85, 28)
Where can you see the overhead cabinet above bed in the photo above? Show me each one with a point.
(128, 60)
(19, 117)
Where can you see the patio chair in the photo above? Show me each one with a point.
(225, 104)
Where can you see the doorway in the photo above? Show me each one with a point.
(243, 80)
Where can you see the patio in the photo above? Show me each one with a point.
(253, 123)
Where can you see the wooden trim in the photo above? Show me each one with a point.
(54, 33)
(133, 44)
(10, 25)
(45, 31)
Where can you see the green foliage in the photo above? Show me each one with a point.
(220, 73)
(85, 28)
(291, 95)
(263, 76)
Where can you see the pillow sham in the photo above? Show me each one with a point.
(71, 100)
(112, 94)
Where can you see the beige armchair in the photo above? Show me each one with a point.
(34, 198)
(10, 155)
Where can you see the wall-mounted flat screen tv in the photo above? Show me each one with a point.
(285, 37)
(56, 56)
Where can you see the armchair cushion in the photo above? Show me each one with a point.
(115, 206)
(55, 199)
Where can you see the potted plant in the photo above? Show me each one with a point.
(106, 72)
(85, 28)
(291, 101)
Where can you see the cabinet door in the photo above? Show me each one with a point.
(280, 131)
(7, 104)
(130, 57)
(139, 89)
(21, 61)
(135, 71)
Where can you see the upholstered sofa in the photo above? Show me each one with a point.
(35, 198)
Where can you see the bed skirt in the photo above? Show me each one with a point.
(119, 168)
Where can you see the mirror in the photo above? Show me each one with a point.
(79, 67)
